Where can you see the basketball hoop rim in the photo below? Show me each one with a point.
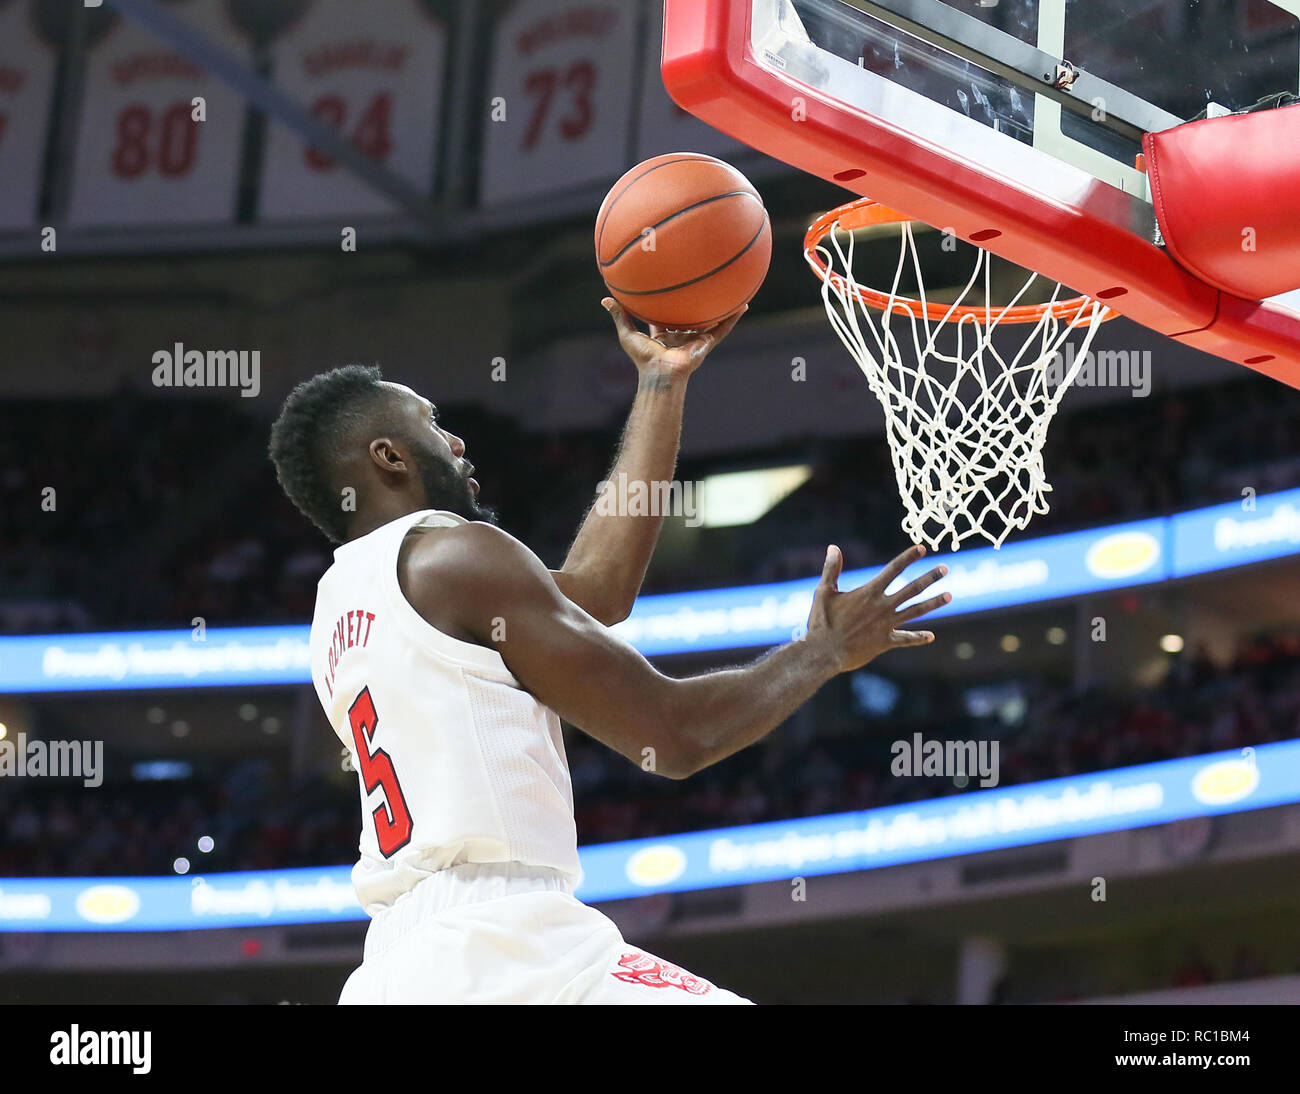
(864, 212)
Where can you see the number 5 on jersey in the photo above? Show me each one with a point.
(392, 818)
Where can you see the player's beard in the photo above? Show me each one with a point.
(447, 489)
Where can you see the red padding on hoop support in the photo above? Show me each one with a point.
(1227, 196)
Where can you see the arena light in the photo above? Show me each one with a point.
(1172, 643)
(161, 770)
(742, 497)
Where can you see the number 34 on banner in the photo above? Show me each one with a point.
(379, 83)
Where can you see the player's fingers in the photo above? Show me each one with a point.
(831, 570)
(882, 580)
(911, 638)
(922, 608)
(916, 587)
(621, 321)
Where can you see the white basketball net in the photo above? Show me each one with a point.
(965, 425)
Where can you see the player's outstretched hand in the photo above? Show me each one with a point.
(671, 353)
(860, 625)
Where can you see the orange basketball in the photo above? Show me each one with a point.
(683, 241)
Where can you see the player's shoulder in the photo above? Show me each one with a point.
(464, 555)
(465, 541)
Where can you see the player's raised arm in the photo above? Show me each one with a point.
(477, 583)
(607, 562)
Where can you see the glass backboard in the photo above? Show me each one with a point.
(1137, 64)
(1015, 124)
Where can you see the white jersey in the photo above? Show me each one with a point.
(456, 762)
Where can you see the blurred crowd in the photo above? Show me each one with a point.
(826, 759)
(152, 512)
(1167, 964)
(186, 518)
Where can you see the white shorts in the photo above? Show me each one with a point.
(510, 934)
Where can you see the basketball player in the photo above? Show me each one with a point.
(445, 654)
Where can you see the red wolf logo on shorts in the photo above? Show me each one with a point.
(641, 968)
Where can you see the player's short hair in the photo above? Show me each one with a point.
(306, 439)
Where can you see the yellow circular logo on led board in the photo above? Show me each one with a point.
(1225, 781)
(1124, 554)
(107, 903)
(656, 865)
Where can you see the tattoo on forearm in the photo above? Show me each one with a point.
(656, 381)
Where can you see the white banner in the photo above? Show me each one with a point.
(662, 125)
(26, 84)
(559, 97)
(142, 157)
(378, 82)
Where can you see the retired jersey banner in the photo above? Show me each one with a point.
(662, 125)
(26, 88)
(378, 82)
(559, 97)
(159, 140)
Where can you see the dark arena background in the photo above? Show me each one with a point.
(1124, 676)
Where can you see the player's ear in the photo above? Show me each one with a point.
(384, 452)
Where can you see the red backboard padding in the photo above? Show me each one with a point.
(1087, 244)
(1227, 197)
